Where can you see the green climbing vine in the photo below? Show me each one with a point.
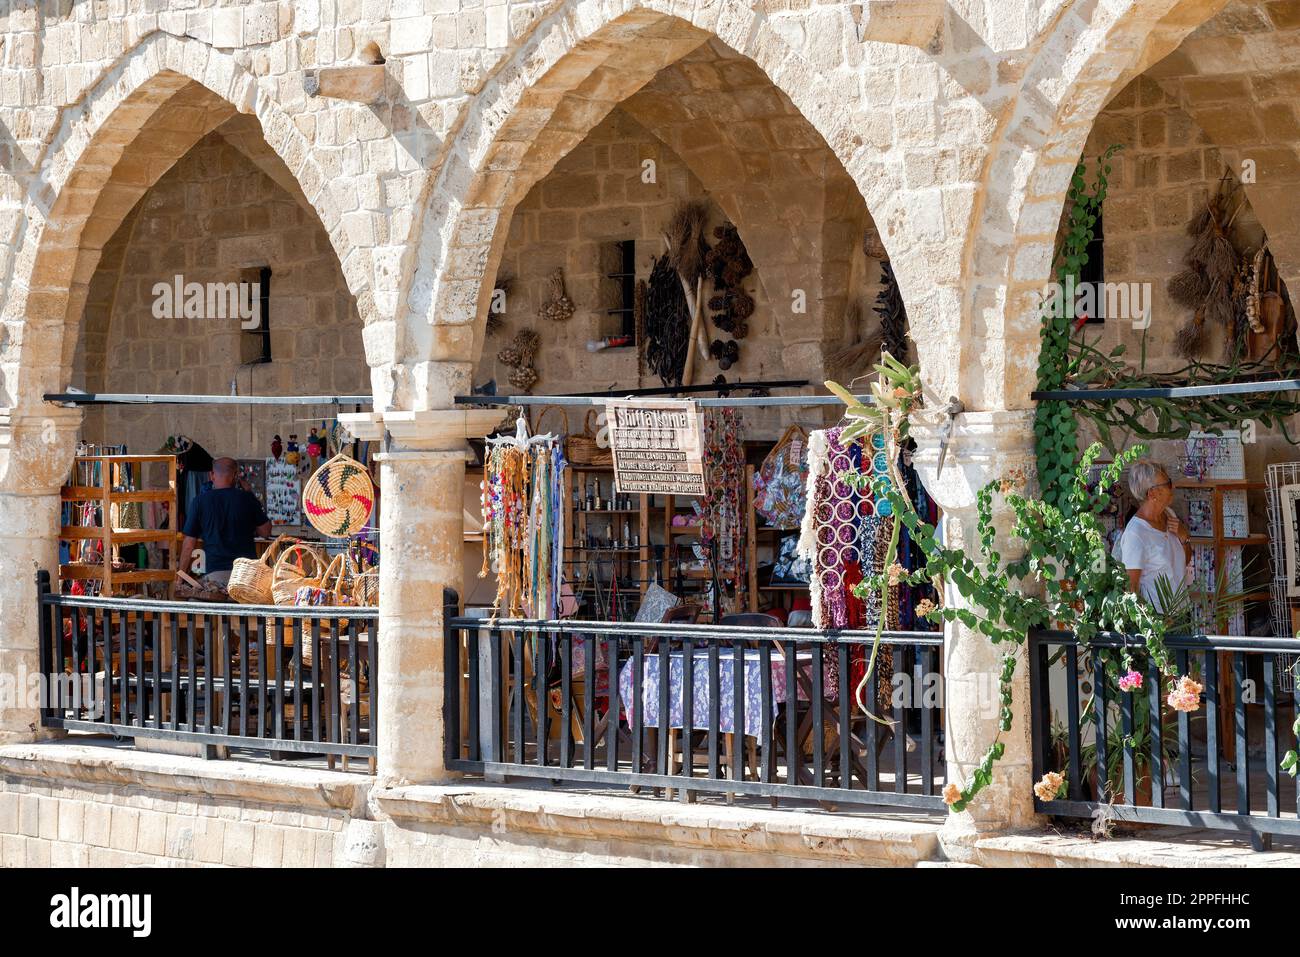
(1056, 440)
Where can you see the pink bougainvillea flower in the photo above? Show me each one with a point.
(1131, 681)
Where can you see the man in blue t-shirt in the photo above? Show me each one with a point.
(227, 519)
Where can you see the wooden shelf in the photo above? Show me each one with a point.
(132, 536)
(1227, 540)
(90, 493)
(1220, 483)
(113, 474)
(87, 572)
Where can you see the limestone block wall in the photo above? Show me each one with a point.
(217, 217)
(596, 195)
(1168, 167)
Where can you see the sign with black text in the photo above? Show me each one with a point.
(656, 445)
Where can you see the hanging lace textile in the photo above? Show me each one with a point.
(845, 535)
(523, 534)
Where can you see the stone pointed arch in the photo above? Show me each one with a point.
(92, 172)
(1090, 54)
(579, 62)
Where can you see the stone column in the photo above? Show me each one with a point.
(421, 478)
(35, 460)
(984, 446)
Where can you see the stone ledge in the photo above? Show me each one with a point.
(599, 817)
(224, 780)
(1164, 848)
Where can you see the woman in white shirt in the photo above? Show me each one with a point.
(1155, 543)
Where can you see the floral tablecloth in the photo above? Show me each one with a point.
(700, 702)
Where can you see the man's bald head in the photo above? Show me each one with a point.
(224, 471)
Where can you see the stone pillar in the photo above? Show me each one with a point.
(35, 460)
(421, 478)
(984, 446)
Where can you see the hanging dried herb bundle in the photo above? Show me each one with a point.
(496, 320)
(520, 355)
(686, 243)
(638, 319)
(861, 350)
(667, 323)
(559, 308)
(1210, 285)
(893, 315)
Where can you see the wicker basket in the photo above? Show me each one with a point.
(581, 449)
(250, 578)
(365, 588)
(297, 565)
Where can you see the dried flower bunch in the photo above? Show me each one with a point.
(1211, 283)
(559, 308)
(728, 263)
(520, 355)
(496, 321)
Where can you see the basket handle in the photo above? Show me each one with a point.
(272, 553)
(547, 410)
(295, 549)
(338, 567)
(586, 424)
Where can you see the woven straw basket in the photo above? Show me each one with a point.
(339, 497)
(581, 449)
(250, 578)
(297, 565)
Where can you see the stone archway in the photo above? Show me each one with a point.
(169, 92)
(106, 152)
(576, 66)
(1078, 68)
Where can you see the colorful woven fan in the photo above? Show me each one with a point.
(339, 497)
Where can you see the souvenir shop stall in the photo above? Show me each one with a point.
(123, 514)
(561, 537)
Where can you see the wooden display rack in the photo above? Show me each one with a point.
(1221, 543)
(578, 521)
(106, 496)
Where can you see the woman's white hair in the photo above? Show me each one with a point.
(1143, 475)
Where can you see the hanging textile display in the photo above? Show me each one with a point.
(779, 483)
(845, 534)
(523, 528)
(724, 500)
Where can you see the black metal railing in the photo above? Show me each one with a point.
(1217, 766)
(264, 677)
(582, 702)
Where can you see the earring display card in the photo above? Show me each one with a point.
(283, 493)
(1215, 457)
(1236, 514)
(1290, 506)
(1200, 513)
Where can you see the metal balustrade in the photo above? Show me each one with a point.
(264, 677)
(524, 707)
(1216, 767)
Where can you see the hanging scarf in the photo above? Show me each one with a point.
(523, 536)
(724, 482)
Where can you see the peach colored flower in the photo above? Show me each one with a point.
(1186, 695)
(951, 794)
(896, 573)
(924, 607)
(1049, 786)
